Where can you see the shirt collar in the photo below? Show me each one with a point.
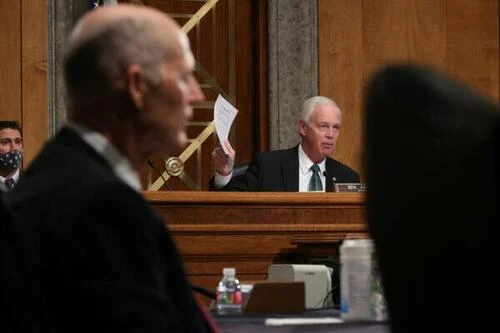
(15, 176)
(120, 164)
(305, 162)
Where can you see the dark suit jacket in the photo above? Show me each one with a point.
(278, 171)
(107, 262)
(20, 293)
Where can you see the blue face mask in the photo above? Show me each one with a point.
(11, 159)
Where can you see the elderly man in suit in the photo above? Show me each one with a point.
(305, 167)
(107, 260)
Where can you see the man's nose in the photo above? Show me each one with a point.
(195, 92)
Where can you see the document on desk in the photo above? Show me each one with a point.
(302, 321)
(224, 114)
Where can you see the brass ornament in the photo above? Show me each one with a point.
(174, 166)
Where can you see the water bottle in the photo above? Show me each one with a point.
(229, 293)
(361, 294)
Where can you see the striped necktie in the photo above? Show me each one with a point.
(315, 182)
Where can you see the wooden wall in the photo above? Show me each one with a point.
(356, 37)
(23, 69)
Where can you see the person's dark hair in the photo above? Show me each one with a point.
(11, 124)
(432, 165)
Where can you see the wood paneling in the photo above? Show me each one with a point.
(340, 71)
(357, 37)
(224, 44)
(10, 60)
(261, 82)
(34, 76)
(472, 43)
(23, 68)
(251, 231)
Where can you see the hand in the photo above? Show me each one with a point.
(223, 163)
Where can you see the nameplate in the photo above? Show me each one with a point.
(350, 187)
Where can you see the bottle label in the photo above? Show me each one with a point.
(237, 297)
(227, 297)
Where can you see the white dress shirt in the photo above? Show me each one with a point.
(15, 176)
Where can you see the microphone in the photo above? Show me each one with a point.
(334, 180)
(152, 165)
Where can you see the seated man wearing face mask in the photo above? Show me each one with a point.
(11, 153)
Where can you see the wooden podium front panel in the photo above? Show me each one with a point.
(252, 230)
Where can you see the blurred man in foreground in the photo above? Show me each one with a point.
(11, 154)
(305, 167)
(107, 262)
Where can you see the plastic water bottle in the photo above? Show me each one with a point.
(229, 293)
(361, 294)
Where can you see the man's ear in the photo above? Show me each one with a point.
(136, 85)
(302, 127)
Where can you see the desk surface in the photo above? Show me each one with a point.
(255, 323)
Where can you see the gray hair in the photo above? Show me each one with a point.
(93, 64)
(311, 103)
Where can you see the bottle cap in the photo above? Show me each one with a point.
(229, 271)
(357, 247)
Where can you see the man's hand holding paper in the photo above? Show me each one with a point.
(224, 114)
(224, 162)
(223, 154)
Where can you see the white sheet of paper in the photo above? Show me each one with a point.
(224, 114)
(302, 321)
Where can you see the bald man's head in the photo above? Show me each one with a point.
(129, 73)
(106, 41)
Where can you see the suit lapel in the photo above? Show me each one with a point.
(290, 169)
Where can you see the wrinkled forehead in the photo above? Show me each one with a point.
(327, 111)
